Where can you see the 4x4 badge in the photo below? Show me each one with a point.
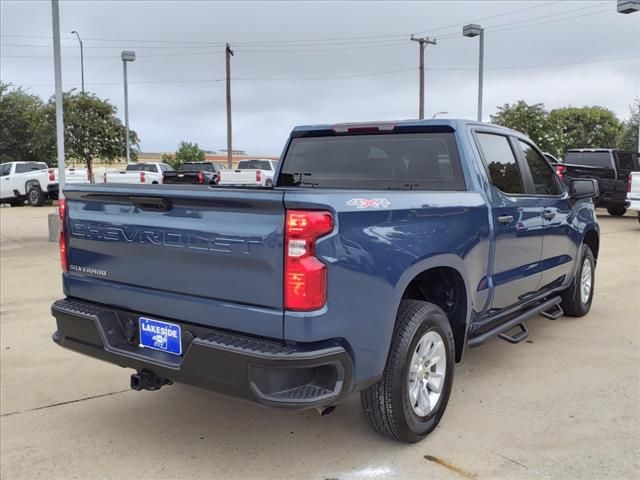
(369, 203)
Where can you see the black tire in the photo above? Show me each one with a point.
(268, 183)
(572, 302)
(638, 217)
(617, 211)
(386, 404)
(36, 197)
(17, 203)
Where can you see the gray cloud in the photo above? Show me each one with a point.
(168, 105)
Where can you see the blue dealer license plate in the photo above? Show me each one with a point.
(163, 336)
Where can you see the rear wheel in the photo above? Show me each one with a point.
(268, 183)
(410, 399)
(576, 300)
(36, 197)
(617, 211)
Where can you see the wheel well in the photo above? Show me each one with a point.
(31, 183)
(591, 239)
(444, 287)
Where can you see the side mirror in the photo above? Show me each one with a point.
(584, 188)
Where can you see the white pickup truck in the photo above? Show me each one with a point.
(33, 182)
(137, 173)
(633, 193)
(257, 172)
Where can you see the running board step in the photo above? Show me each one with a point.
(521, 335)
(554, 313)
(501, 329)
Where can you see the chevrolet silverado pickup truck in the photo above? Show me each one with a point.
(136, 173)
(380, 253)
(199, 173)
(257, 171)
(611, 168)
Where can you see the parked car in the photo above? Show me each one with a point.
(383, 251)
(611, 168)
(633, 193)
(146, 173)
(199, 173)
(250, 172)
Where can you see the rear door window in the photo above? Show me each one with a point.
(544, 178)
(500, 162)
(407, 161)
(5, 169)
(626, 161)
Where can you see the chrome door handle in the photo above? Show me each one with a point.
(505, 219)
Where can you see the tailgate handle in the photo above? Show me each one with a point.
(158, 204)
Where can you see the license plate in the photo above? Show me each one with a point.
(158, 335)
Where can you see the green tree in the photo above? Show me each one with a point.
(189, 152)
(585, 127)
(92, 130)
(25, 132)
(628, 136)
(532, 120)
(170, 159)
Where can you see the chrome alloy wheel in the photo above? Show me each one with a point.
(426, 373)
(586, 281)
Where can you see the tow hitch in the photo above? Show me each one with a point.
(146, 380)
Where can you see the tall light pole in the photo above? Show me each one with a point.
(473, 30)
(423, 42)
(127, 56)
(57, 62)
(630, 6)
(228, 54)
(81, 59)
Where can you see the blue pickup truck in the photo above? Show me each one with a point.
(381, 252)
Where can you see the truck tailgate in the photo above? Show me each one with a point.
(207, 256)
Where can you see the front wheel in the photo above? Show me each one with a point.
(410, 399)
(617, 211)
(576, 300)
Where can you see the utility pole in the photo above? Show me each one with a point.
(423, 42)
(228, 55)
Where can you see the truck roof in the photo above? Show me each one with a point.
(377, 126)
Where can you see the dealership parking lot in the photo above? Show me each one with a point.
(565, 404)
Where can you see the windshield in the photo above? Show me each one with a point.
(410, 161)
(590, 159)
(197, 167)
(254, 165)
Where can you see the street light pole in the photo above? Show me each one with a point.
(228, 55)
(626, 7)
(473, 30)
(127, 56)
(81, 59)
(57, 61)
(423, 42)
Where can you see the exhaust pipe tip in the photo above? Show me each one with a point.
(324, 411)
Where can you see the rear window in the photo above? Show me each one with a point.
(409, 161)
(590, 159)
(254, 165)
(197, 167)
(141, 167)
(30, 166)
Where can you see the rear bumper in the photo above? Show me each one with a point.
(268, 372)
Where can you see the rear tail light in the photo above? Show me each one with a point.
(62, 242)
(560, 169)
(143, 177)
(305, 276)
(200, 177)
(258, 176)
(52, 175)
(629, 183)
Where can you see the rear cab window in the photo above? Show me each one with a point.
(391, 161)
(589, 159)
(254, 165)
(197, 167)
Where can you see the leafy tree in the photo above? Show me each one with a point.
(170, 159)
(532, 120)
(628, 136)
(585, 127)
(189, 152)
(25, 133)
(92, 130)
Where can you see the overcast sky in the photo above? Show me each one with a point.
(572, 53)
